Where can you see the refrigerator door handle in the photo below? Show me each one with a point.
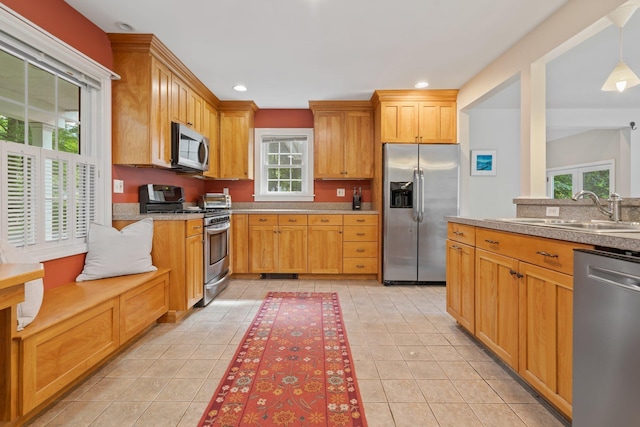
(421, 212)
(416, 192)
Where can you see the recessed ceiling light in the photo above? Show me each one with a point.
(125, 27)
(421, 85)
(240, 88)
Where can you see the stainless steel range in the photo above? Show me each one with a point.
(216, 208)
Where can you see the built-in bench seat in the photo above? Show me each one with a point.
(79, 325)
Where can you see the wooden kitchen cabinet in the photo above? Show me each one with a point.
(210, 130)
(360, 244)
(155, 89)
(541, 270)
(141, 120)
(546, 333)
(194, 279)
(496, 305)
(277, 243)
(424, 116)
(239, 243)
(324, 243)
(178, 245)
(236, 139)
(460, 274)
(343, 139)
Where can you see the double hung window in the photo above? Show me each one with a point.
(54, 156)
(284, 165)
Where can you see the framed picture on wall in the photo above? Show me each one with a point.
(483, 162)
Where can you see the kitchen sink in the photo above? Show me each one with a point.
(594, 226)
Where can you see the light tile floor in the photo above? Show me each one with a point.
(414, 365)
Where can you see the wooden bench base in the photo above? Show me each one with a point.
(79, 326)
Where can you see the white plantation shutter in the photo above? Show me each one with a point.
(21, 196)
(56, 203)
(86, 195)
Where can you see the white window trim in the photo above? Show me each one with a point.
(576, 171)
(51, 49)
(260, 184)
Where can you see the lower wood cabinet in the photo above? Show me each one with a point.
(360, 244)
(497, 304)
(546, 333)
(523, 300)
(324, 244)
(277, 243)
(178, 245)
(460, 283)
(239, 243)
(314, 243)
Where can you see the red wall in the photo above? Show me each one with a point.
(325, 191)
(65, 23)
(135, 177)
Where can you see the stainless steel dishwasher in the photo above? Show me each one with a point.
(606, 339)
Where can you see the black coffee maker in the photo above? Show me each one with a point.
(357, 199)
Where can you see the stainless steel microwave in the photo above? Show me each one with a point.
(189, 149)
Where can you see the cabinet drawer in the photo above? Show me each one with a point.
(194, 226)
(255, 219)
(366, 233)
(548, 253)
(360, 249)
(292, 219)
(325, 219)
(360, 265)
(360, 219)
(461, 233)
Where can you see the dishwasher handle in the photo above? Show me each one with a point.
(625, 280)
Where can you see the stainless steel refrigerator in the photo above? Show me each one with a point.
(420, 189)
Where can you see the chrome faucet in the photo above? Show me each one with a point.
(613, 211)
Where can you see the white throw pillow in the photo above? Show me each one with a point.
(118, 253)
(33, 290)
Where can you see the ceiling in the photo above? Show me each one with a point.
(288, 52)
(574, 78)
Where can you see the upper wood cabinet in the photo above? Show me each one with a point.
(210, 130)
(343, 139)
(154, 89)
(236, 139)
(424, 116)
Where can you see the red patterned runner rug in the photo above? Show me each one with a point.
(293, 368)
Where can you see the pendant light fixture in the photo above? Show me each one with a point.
(621, 77)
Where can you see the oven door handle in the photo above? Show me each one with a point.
(217, 229)
(217, 282)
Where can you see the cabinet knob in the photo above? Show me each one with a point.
(512, 272)
(456, 248)
(262, 219)
(421, 139)
(458, 233)
(416, 138)
(189, 124)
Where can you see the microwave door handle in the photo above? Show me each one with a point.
(205, 144)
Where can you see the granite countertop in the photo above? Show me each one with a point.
(626, 241)
(303, 211)
(158, 216)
